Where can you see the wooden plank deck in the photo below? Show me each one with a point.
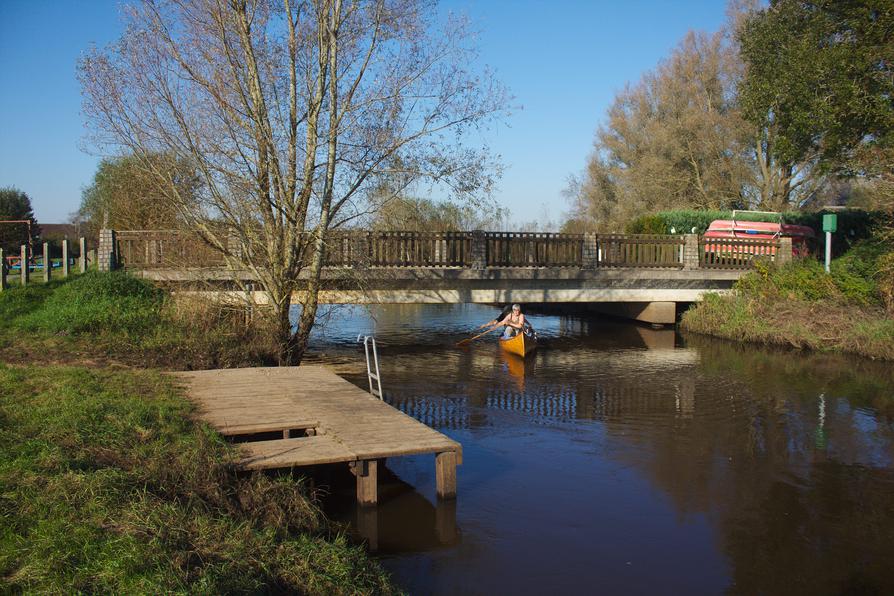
(345, 423)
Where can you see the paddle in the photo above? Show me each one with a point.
(470, 339)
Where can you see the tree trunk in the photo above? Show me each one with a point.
(284, 337)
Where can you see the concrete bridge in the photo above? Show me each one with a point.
(644, 277)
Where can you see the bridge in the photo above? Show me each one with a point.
(643, 277)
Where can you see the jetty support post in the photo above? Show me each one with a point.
(445, 474)
(367, 473)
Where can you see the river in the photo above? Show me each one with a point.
(618, 458)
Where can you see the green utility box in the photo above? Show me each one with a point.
(830, 222)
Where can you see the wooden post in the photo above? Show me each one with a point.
(367, 475)
(445, 474)
(2, 270)
(47, 265)
(445, 521)
(65, 268)
(24, 262)
(368, 526)
(82, 245)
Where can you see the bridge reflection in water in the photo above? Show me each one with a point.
(516, 387)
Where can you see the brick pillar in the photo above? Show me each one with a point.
(26, 256)
(690, 251)
(106, 253)
(784, 252)
(590, 251)
(479, 250)
(47, 265)
(234, 246)
(2, 270)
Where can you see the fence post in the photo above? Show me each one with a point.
(26, 256)
(690, 251)
(590, 252)
(106, 252)
(65, 270)
(784, 251)
(479, 250)
(82, 246)
(2, 270)
(47, 265)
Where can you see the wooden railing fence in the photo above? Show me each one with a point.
(533, 249)
(395, 249)
(627, 250)
(735, 253)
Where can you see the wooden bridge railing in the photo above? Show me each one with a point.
(735, 253)
(627, 250)
(478, 250)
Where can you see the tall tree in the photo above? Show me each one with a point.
(15, 205)
(820, 76)
(289, 110)
(673, 140)
(124, 195)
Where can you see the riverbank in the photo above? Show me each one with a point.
(799, 305)
(114, 318)
(111, 486)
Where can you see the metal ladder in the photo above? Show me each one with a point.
(375, 390)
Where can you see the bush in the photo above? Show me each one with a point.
(854, 225)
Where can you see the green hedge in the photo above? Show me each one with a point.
(853, 224)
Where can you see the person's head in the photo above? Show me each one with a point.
(516, 308)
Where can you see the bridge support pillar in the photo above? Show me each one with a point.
(690, 251)
(590, 252)
(479, 250)
(657, 313)
(784, 252)
(106, 253)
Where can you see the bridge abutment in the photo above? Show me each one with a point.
(656, 313)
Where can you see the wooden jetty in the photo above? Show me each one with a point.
(323, 420)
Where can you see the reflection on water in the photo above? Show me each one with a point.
(619, 458)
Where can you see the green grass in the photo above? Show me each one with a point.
(117, 316)
(106, 485)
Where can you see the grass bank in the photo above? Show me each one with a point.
(800, 305)
(116, 317)
(108, 485)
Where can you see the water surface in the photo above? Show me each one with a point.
(618, 458)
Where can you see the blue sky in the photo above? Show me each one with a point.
(563, 62)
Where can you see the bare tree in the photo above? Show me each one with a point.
(289, 110)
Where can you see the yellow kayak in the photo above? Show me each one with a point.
(521, 344)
